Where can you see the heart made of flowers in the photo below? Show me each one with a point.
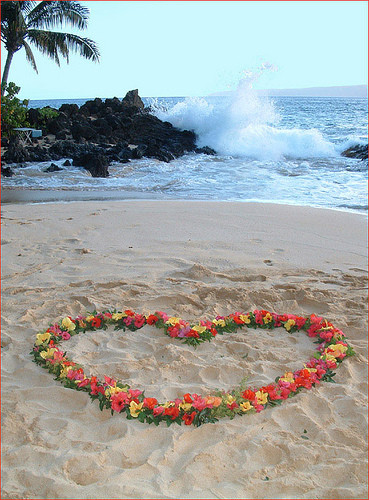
(191, 408)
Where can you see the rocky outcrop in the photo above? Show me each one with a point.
(7, 172)
(110, 130)
(359, 151)
(53, 168)
(133, 99)
(95, 163)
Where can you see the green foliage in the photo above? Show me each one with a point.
(13, 110)
(45, 115)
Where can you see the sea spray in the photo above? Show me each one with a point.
(245, 125)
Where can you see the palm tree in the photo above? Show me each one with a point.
(24, 22)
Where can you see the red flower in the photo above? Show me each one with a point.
(96, 322)
(96, 389)
(213, 331)
(271, 390)
(249, 394)
(187, 398)
(193, 333)
(233, 405)
(150, 403)
(237, 319)
(173, 331)
(172, 411)
(188, 418)
(129, 312)
(152, 319)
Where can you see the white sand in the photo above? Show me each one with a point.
(195, 260)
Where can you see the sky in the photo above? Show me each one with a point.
(196, 48)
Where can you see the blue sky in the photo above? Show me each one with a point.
(195, 48)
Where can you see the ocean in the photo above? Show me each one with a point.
(269, 149)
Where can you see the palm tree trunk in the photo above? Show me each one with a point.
(4, 79)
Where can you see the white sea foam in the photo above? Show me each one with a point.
(245, 126)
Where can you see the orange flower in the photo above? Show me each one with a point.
(96, 322)
(173, 411)
(150, 403)
(187, 398)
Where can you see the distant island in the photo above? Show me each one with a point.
(342, 91)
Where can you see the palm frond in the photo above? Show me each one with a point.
(13, 25)
(29, 55)
(26, 6)
(55, 44)
(51, 14)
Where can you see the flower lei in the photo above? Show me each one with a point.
(191, 408)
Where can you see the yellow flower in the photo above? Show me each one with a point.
(113, 389)
(185, 406)
(268, 318)
(118, 316)
(288, 377)
(90, 318)
(135, 408)
(246, 406)
(290, 323)
(172, 321)
(337, 349)
(262, 397)
(219, 322)
(42, 338)
(48, 354)
(229, 399)
(199, 328)
(68, 324)
(245, 318)
(168, 404)
(65, 371)
(310, 370)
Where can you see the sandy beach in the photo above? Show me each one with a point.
(193, 260)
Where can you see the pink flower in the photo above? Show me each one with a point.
(84, 382)
(300, 321)
(65, 335)
(128, 320)
(119, 400)
(134, 393)
(75, 375)
(277, 321)
(158, 410)
(96, 389)
(109, 381)
(258, 317)
(173, 331)
(139, 321)
(198, 402)
(163, 316)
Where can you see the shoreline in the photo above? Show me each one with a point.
(39, 196)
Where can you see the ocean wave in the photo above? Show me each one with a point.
(245, 126)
